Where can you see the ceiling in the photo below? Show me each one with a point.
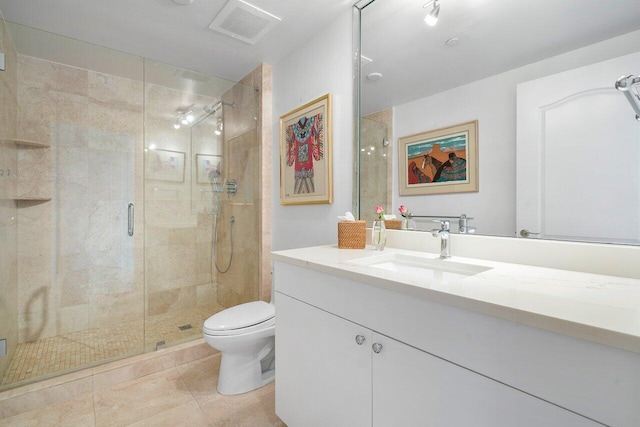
(493, 36)
(164, 31)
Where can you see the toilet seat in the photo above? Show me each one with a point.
(241, 319)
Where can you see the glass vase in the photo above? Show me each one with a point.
(378, 235)
(408, 224)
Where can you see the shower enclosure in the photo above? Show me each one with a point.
(375, 165)
(108, 208)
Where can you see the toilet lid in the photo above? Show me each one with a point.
(240, 316)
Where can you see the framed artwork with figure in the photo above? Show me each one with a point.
(305, 154)
(439, 161)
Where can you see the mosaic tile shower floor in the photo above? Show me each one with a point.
(64, 353)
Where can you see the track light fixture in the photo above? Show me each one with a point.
(432, 17)
(183, 119)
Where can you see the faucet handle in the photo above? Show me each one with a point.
(445, 224)
(463, 225)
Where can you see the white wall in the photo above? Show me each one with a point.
(491, 101)
(322, 65)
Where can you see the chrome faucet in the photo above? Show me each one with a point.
(443, 233)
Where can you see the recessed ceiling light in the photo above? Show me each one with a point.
(183, 2)
(374, 76)
(452, 42)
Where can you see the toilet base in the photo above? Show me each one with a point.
(240, 374)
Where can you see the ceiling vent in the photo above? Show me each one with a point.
(243, 21)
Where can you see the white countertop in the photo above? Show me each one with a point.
(598, 308)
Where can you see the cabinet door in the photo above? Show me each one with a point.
(323, 377)
(414, 388)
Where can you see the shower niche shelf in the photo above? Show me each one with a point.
(26, 143)
(31, 199)
(29, 195)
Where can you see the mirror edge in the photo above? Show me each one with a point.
(357, 122)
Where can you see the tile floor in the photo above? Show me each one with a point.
(183, 394)
(64, 353)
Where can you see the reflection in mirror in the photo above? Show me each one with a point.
(559, 146)
(375, 169)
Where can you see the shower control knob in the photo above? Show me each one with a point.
(377, 347)
(526, 233)
(360, 339)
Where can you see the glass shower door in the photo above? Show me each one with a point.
(80, 275)
(200, 193)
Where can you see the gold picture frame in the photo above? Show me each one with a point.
(165, 165)
(305, 154)
(439, 161)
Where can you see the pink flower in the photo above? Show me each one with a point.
(379, 211)
(403, 210)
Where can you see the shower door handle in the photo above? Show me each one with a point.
(131, 218)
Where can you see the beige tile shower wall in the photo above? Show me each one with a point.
(8, 211)
(179, 212)
(240, 283)
(261, 78)
(8, 84)
(375, 165)
(248, 142)
(77, 267)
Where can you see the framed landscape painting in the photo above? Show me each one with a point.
(439, 161)
(165, 165)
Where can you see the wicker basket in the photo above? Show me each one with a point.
(352, 234)
(393, 224)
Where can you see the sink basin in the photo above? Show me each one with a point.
(425, 268)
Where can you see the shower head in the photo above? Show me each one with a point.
(630, 86)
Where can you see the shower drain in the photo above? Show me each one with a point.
(185, 327)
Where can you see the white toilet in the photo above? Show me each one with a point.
(245, 335)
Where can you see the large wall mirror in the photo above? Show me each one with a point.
(558, 144)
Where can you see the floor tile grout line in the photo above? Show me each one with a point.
(191, 391)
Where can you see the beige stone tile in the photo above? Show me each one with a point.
(140, 399)
(195, 350)
(254, 409)
(36, 72)
(72, 319)
(172, 300)
(76, 412)
(182, 236)
(106, 310)
(207, 294)
(201, 377)
(139, 369)
(34, 174)
(73, 80)
(44, 397)
(188, 414)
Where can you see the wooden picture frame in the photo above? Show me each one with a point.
(165, 165)
(208, 168)
(305, 154)
(439, 161)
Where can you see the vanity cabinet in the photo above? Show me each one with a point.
(335, 372)
(438, 365)
(323, 375)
